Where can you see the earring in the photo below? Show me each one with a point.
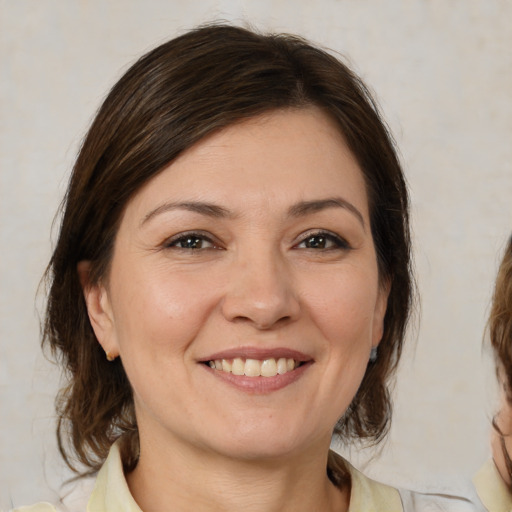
(110, 357)
(373, 355)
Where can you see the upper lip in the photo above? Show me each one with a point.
(258, 353)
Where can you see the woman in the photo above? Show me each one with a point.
(231, 283)
(494, 480)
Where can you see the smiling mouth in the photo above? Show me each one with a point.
(255, 367)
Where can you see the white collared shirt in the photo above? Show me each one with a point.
(109, 492)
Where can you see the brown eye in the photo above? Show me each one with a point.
(191, 242)
(323, 241)
(316, 242)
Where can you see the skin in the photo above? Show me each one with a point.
(260, 277)
(504, 421)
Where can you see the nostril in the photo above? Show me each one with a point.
(262, 324)
(284, 320)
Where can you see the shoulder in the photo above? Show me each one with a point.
(450, 493)
(367, 494)
(370, 495)
(433, 502)
(38, 507)
(74, 498)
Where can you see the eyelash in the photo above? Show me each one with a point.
(190, 235)
(337, 241)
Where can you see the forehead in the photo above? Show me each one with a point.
(274, 159)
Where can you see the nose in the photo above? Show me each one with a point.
(261, 292)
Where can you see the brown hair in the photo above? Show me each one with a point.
(500, 332)
(500, 319)
(171, 98)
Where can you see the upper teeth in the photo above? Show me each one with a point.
(254, 367)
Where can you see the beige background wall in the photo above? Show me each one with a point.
(443, 74)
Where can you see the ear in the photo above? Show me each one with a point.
(99, 309)
(381, 306)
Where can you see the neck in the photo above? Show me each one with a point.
(193, 480)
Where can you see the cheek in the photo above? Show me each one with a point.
(160, 312)
(504, 422)
(499, 457)
(343, 307)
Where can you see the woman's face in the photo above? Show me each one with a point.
(250, 254)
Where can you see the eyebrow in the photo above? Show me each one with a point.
(297, 210)
(307, 207)
(208, 209)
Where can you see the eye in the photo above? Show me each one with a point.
(322, 240)
(190, 241)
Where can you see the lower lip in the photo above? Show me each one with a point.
(260, 385)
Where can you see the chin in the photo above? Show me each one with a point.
(281, 441)
(262, 450)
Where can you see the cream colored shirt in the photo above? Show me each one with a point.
(492, 489)
(110, 493)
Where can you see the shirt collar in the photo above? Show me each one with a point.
(492, 489)
(111, 492)
(366, 494)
